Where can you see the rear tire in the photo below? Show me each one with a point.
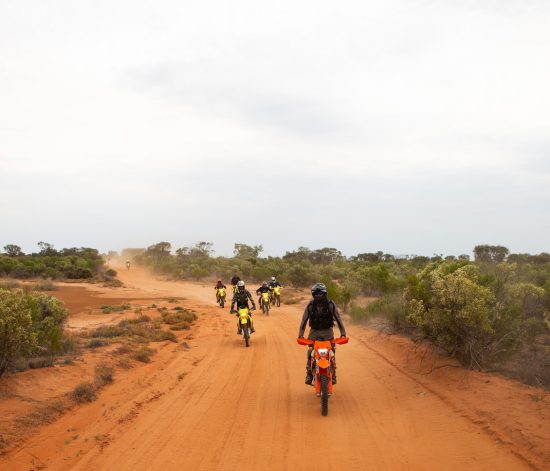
(324, 395)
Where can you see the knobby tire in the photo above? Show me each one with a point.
(324, 395)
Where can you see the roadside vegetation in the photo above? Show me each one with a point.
(49, 263)
(489, 312)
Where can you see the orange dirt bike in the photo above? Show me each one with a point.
(220, 296)
(245, 323)
(265, 302)
(276, 296)
(323, 367)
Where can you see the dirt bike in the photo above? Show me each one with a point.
(276, 296)
(220, 296)
(244, 323)
(265, 303)
(323, 367)
(127, 265)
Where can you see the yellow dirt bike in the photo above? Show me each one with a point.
(220, 296)
(276, 295)
(245, 323)
(265, 302)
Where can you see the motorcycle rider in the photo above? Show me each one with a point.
(272, 285)
(234, 282)
(262, 289)
(219, 285)
(127, 264)
(241, 297)
(321, 313)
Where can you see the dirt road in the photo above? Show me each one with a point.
(216, 405)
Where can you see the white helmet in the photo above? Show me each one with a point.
(240, 283)
(273, 278)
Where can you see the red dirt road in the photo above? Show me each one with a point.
(248, 409)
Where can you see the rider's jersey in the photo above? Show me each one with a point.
(273, 284)
(241, 299)
(321, 316)
(262, 289)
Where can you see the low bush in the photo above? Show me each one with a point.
(46, 285)
(31, 325)
(143, 355)
(95, 343)
(83, 392)
(103, 374)
(109, 309)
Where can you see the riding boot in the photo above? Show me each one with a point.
(309, 376)
(309, 373)
(238, 327)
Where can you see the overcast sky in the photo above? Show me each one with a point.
(407, 126)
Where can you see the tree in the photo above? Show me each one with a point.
(46, 249)
(159, 251)
(490, 253)
(246, 251)
(13, 250)
(201, 250)
(326, 255)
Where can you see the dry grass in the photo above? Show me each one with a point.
(43, 415)
(83, 392)
(103, 374)
(143, 354)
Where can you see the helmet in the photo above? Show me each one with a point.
(273, 278)
(264, 283)
(318, 288)
(219, 281)
(240, 284)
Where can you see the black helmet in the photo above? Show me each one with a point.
(318, 288)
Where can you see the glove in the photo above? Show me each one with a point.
(253, 308)
(232, 311)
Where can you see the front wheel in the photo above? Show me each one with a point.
(324, 394)
(222, 302)
(246, 335)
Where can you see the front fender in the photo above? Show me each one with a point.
(323, 363)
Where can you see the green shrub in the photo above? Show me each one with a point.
(17, 337)
(109, 309)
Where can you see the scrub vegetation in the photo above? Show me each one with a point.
(489, 312)
(70, 263)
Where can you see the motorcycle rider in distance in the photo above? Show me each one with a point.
(321, 313)
(234, 282)
(240, 298)
(262, 289)
(127, 264)
(219, 285)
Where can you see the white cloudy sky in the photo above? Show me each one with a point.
(408, 126)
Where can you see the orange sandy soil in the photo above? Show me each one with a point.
(209, 403)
